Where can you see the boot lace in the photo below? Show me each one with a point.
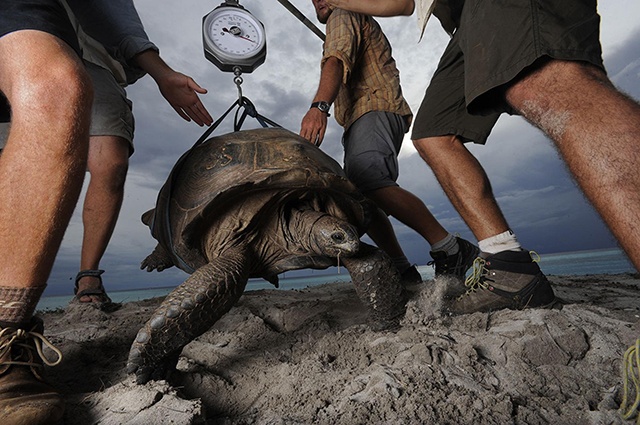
(631, 381)
(18, 346)
(478, 279)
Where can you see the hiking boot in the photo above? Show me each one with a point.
(25, 398)
(455, 265)
(411, 277)
(508, 279)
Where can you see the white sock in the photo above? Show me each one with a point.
(505, 241)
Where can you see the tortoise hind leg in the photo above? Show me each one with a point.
(159, 260)
(186, 313)
(377, 283)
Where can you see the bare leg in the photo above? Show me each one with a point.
(381, 232)
(41, 173)
(107, 164)
(42, 166)
(596, 130)
(410, 210)
(465, 182)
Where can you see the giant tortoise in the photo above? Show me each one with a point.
(253, 204)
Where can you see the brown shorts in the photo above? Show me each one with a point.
(495, 42)
(43, 15)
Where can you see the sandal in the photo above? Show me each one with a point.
(100, 291)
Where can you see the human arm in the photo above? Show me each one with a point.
(314, 123)
(376, 7)
(180, 90)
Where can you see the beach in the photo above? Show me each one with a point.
(307, 356)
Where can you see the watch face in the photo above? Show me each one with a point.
(233, 33)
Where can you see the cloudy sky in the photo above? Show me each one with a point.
(539, 199)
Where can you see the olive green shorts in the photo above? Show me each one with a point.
(495, 42)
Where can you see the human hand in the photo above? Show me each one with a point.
(313, 126)
(181, 91)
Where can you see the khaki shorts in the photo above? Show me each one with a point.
(371, 147)
(111, 114)
(495, 42)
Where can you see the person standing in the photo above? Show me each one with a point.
(112, 125)
(112, 128)
(542, 61)
(41, 169)
(358, 73)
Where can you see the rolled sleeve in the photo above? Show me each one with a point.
(343, 39)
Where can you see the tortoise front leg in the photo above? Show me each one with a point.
(377, 283)
(186, 313)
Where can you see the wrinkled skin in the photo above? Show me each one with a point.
(304, 214)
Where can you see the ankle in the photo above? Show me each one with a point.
(88, 281)
(18, 304)
(449, 245)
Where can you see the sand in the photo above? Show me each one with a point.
(307, 356)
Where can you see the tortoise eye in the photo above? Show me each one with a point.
(338, 237)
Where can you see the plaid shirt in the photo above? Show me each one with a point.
(370, 80)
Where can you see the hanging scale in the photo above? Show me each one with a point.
(233, 38)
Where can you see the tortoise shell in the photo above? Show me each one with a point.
(229, 182)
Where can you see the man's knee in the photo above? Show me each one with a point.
(551, 81)
(431, 147)
(63, 93)
(110, 173)
(71, 87)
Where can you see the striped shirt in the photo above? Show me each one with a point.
(370, 79)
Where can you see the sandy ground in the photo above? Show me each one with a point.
(307, 356)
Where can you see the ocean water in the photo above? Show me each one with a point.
(603, 261)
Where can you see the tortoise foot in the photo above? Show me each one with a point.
(186, 313)
(152, 355)
(159, 260)
(146, 369)
(377, 283)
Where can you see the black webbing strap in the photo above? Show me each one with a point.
(161, 222)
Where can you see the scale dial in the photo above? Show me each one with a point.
(233, 37)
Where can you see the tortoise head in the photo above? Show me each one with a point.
(324, 234)
(335, 237)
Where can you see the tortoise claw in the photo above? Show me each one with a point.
(146, 371)
(159, 260)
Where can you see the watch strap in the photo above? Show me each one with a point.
(323, 106)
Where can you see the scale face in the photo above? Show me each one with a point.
(234, 37)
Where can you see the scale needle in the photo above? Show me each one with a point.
(238, 35)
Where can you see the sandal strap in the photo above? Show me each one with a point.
(99, 291)
(92, 273)
(88, 272)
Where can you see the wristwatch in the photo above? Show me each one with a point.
(323, 106)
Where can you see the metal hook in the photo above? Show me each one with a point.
(237, 71)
